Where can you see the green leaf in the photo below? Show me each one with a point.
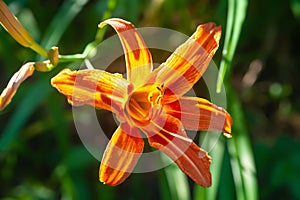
(216, 148)
(25, 108)
(237, 10)
(177, 181)
(66, 13)
(226, 186)
(242, 161)
(295, 7)
(240, 150)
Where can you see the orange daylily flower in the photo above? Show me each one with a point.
(152, 101)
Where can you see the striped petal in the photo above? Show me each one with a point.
(92, 87)
(121, 155)
(137, 55)
(200, 114)
(167, 134)
(189, 61)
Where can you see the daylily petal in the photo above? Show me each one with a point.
(9, 92)
(121, 155)
(200, 114)
(167, 134)
(92, 87)
(137, 55)
(189, 61)
(12, 25)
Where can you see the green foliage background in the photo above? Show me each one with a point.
(42, 157)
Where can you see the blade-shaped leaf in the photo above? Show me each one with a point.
(242, 159)
(177, 181)
(217, 154)
(235, 18)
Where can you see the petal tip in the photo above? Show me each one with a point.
(209, 27)
(102, 24)
(108, 177)
(59, 76)
(115, 23)
(227, 126)
(208, 181)
(208, 30)
(227, 135)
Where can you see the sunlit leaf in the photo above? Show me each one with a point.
(177, 181)
(236, 13)
(242, 159)
(217, 153)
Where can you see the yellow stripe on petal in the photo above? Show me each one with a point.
(121, 155)
(189, 61)
(137, 55)
(200, 114)
(92, 87)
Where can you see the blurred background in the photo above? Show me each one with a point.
(42, 157)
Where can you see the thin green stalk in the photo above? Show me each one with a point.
(71, 58)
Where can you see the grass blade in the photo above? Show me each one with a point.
(23, 111)
(177, 181)
(235, 19)
(67, 12)
(242, 159)
(217, 155)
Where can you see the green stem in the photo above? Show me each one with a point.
(71, 58)
(79, 57)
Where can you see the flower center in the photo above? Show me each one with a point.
(141, 101)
